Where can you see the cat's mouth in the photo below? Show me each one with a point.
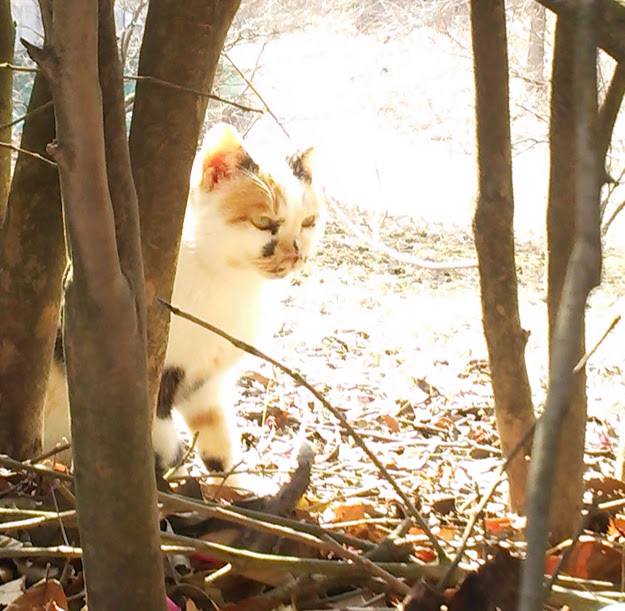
(281, 269)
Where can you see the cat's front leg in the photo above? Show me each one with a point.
(208, 412)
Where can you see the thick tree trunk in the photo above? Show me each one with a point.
(181, 45)
(562, 426)
(561, 225)
(610, 24)
(104, 320)
(32, 258)
(494, 240)
(7, 42)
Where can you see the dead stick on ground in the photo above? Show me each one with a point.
(517, 448)
(299, 379)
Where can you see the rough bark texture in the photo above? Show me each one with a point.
(561, 226)
(611, 23)
(7, 41)
(181, 45)
(563, 423)
(104, 319)
(32, 258)
(494, 239)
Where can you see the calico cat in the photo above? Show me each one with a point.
(246, 225)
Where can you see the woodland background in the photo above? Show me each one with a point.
(386, 93)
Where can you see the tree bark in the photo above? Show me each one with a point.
(610, 23)
(610, 108)
(7, 43)
(32, 258)
(104, 319)
(494, 240)
(561, 418)
(561, 236)
(181, 45)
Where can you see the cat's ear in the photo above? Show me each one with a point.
(301, 164)
(222, 155)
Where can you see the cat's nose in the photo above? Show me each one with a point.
(296, 246)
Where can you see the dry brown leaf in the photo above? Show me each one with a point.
(593, 558)
(391, 423)
(608, 487)
(44, 596)
(350, 512)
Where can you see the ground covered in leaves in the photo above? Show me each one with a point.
(398, 350)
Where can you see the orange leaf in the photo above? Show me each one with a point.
(497, 526)
(44, 596)
(594, 559)
(425, 554)
(391, 423)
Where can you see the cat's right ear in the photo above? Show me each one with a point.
(221, 156)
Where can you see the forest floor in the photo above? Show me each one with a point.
(397, 348)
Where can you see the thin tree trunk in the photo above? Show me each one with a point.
(582, 275)
(561, 226)
(494, 240)
(104, 320)
(7, 43)
(32, 258)
(181, 45)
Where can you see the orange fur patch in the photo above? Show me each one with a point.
(205, 420)
(247, 198)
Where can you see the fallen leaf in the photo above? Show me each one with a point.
(593, 558)
(391, 423)
(44, 596)
(497, 526)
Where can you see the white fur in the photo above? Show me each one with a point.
(219, 280)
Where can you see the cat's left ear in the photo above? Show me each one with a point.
(302, 163)
(222, 155)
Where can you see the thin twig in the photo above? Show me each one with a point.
(35, 521)
(367, 565)
(158, 81)
(16, 68)
(18, 149)
(582, 362)
(299, 379)
(26, 115)
(444, 582)
(257, 94)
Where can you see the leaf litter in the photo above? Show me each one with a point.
(399, 351)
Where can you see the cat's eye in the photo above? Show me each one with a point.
(309, 221)
(263, 222)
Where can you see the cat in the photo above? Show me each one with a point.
(246, 226)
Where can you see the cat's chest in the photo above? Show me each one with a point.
(236, 303)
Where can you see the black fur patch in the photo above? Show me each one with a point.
(270, 248)
(170, 381)
(214, 464)
(59, 353)
(247, 163)
(297, 165)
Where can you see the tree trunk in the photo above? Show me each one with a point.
(494, 240)
(561, 225)
(181, 45)
(7, 43)
(610, 23)
(104, 319)
(546, 507)
(32, 258)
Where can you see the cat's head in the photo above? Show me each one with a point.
(262, 216)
